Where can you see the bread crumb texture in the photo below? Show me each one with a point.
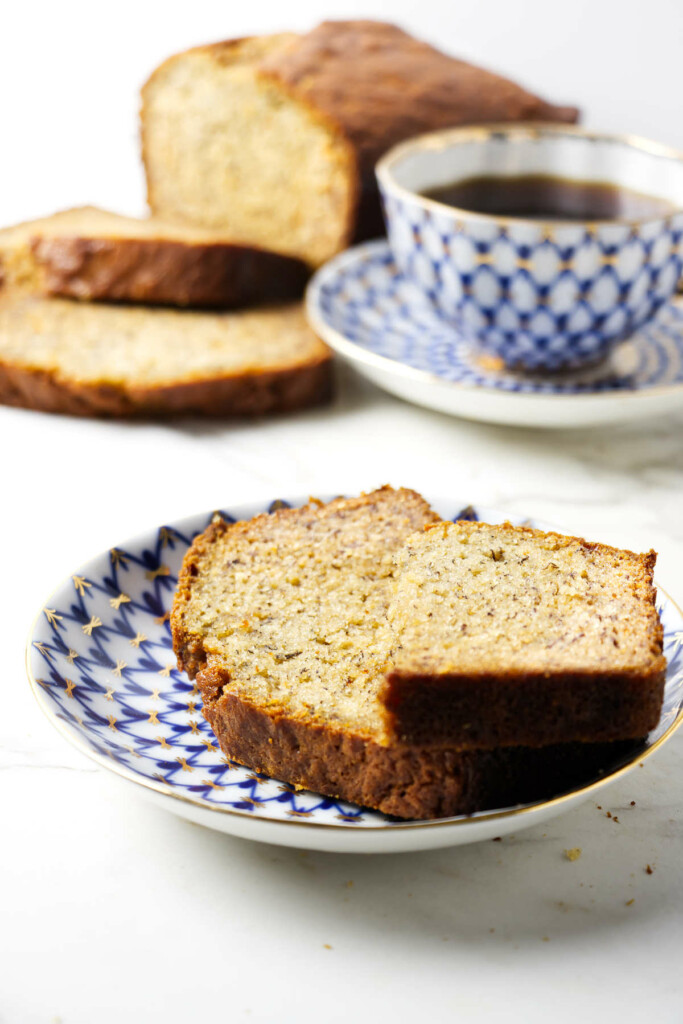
(226, 148)
(89, 343)
(295, 603)
(473, 598)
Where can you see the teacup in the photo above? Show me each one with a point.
(541, 294)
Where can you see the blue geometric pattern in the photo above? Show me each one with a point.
(540, 296)
(102, 660)
(363, 296)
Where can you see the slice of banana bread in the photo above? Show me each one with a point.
(507, 635)
(292, 607)
(92, 254)
(283, 622)
(102, 360)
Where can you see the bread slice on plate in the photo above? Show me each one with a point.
(283, 622)
(503, 635)
(276, 137)
(87, 253)
(89, 359)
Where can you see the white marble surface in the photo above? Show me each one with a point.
(112, 910)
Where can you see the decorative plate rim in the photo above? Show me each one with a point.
(164, 789)
(356, 353)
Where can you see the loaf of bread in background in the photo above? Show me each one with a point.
(95, 359)
(275, 138)
(87, 253)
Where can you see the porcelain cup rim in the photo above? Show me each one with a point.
(445, 138)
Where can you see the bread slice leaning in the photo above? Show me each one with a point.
(283, 622)
(89, 359)
(503, 634)
(276, 137)
(87, 253)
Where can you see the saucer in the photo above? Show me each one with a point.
(374, 318)
(101, 664)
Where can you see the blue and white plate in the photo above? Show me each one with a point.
(101, 664)
(374, 318)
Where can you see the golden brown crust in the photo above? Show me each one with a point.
(164, 272)
(250, 394)
(407, 782)
(189, 648)
(533, 710)
(372, 85)
(380, 86)
(402, 781)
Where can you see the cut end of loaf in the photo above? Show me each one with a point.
(225, 148)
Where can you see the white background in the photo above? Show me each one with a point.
(114, 911)
(70, 73)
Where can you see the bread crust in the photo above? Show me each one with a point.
(380, 86)
(165, 272)
(418, 780)
(533, 709)
(245, 395)
(403, 781)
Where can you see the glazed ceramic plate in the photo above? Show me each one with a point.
(101, 664)
(382, 324)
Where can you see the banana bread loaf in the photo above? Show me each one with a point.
(276, 137)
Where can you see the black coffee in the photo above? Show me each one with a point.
(544, 197)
